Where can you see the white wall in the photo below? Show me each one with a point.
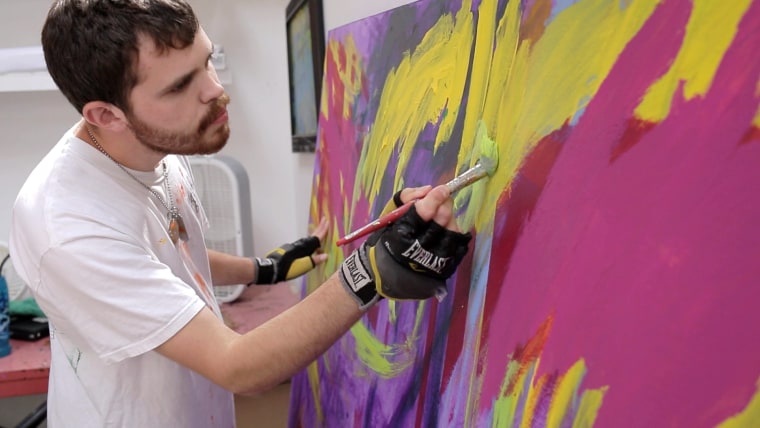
(253, 36)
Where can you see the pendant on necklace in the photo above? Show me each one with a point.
(177, 229)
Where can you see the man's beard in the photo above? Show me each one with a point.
(191, 143)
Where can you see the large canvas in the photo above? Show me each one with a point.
(614, 275)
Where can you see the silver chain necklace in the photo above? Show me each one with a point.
(176, 226)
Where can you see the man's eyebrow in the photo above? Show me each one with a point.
(180, 81)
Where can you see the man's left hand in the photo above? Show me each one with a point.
(291, 260)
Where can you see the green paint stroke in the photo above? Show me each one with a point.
(387, 360)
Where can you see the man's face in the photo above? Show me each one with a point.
(178, 105)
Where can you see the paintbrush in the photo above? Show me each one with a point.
(485, 166)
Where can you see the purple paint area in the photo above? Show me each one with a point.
(649, 263)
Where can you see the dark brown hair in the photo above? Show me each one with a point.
(91, 46)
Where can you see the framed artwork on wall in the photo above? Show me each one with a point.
(306, 46)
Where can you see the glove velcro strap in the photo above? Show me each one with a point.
(356, 276)
(266, 271)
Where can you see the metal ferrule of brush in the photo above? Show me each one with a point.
(466, 178)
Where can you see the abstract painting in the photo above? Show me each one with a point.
(614, 275)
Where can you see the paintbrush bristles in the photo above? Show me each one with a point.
(489, 164)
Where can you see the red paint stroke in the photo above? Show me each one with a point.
(527, 355)
(637, 67)
(752, 135)
(458, 319)
(337, 162)
(516, 210)
(634, 130)
(649, 262)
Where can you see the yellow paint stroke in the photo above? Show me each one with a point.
(534, 392)
(591, 401)
(565, 391)
(504, 64)
(553, 79)
(536, 87)
(563, 399)
(477, 142)
(521, 387)
(711, 28)
(749, 417)
(566, 394)
(313, 373)
(485, 51)
(506, 404)
(479, 78)
(425, 88)
(521, 90)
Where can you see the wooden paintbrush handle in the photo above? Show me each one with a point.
(377, 224)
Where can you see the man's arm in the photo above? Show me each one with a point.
(227, 269)
(270, 354)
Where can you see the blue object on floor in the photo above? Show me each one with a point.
(5, 319)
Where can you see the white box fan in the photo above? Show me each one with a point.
(17, 289)
(222, 185)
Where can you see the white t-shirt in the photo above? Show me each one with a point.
(93, 246)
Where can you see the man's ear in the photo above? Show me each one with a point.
(105, 116)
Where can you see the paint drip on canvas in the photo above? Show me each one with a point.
(613, 277)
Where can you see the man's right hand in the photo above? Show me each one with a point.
(411, 258)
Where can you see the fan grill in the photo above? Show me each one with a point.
(222, 186)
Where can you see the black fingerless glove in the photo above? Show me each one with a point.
(407, 260)
(286, 262)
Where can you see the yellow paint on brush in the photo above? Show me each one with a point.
(711, 28)
(486, 150)
(747, 417)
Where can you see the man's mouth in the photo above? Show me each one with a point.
(221, 118)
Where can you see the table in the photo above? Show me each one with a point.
(257, 305)
(25, 371)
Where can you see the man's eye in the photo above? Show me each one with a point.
(181, 87)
